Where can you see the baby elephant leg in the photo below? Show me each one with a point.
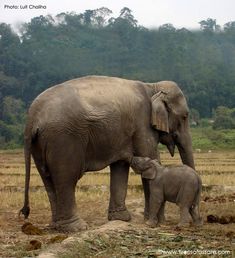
(194, 212)
(185, 217)
(155, 204)
(161, 214)
(153, 219)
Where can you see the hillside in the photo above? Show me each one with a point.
(49, 50)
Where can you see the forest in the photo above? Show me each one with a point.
(49, 50)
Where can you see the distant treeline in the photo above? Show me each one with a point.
(49, 50)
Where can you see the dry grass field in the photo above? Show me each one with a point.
(217, 170)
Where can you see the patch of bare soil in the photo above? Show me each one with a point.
(120, 239)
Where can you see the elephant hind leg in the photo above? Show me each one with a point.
(185, 217)
(64, 162)
(68, 219)
(46, 178)
(118, 190)
(195, 214)
(51, 193)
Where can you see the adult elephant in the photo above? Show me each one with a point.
(89, 123)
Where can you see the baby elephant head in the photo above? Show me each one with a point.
(145, 166)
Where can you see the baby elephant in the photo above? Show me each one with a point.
(178, 184)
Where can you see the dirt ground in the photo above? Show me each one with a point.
(113, 239)
(120, 239)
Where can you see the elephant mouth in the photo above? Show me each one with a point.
(171, 149)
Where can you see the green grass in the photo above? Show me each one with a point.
(206, 138)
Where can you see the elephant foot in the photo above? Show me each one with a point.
(71, 225)
(123, 215)
(183, 224)
(151, 223)
(146, 215)
(161, 220)
(51, 225)
(198, 223)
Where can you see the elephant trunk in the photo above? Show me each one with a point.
(184, 146)
(186, 156)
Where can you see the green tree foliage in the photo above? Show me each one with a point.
(194, 117)
(224, 118)
(50, 50)
(11, 122)
(209, 25)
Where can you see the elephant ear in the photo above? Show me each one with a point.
(159, 117)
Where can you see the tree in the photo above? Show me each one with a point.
(126, 14)
(224, 118)
(168, 27)
(194, 117)
(7, 36)
(88, 17)
(8, 86)
(51, 50)
(38, 26)
(13, 110)
(10, 53)
(101, 16)
(209, 25)
(229, 27)
(70, 19)
(11, 122)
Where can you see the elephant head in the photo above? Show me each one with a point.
(170, 116)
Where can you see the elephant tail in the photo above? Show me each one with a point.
(29, 136)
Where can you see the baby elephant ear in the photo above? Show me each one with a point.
(140, 163)
(149, 173)
(143, 166)
(159, 117)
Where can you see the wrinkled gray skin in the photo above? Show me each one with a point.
(89, 123)
(167, 139)
(178, 184)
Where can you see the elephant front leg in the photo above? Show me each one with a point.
(145, 184)
(161, 214)
(118, 191)
(154, 208)
(145, 145)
